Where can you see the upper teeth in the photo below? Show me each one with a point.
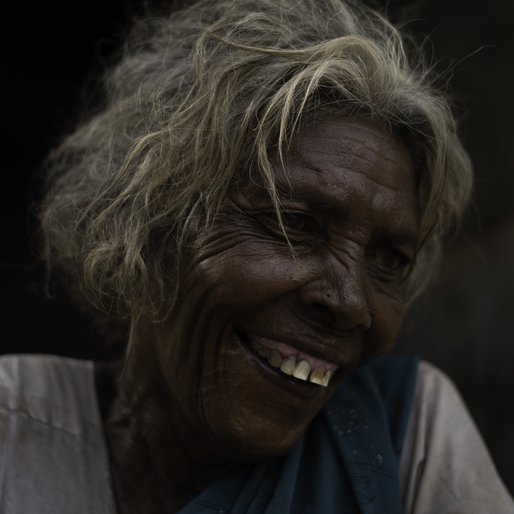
(288, 365)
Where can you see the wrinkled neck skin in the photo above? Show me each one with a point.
(158, 462)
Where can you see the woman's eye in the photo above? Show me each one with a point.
(301, 229)
(299, 222)
(294, 223)
(390, 263)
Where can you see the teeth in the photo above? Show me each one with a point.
(317, 376)
(327, 377)
(275, 359)
(261, 350)
(302, 370)
(288, 365)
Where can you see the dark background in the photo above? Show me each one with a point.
(51, 55)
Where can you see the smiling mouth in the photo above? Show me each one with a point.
(290, 362)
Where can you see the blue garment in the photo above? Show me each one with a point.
(54, 460)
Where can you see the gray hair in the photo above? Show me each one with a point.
(201, 99)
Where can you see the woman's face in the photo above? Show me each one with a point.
(262, 336)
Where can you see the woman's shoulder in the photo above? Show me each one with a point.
(50, 389)
(445, 465)
(53, 456)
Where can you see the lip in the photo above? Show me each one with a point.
(298, 387)
(336, 350)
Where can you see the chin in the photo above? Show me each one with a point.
(254, 433)
(260, 443)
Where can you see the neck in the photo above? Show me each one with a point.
(157, 460)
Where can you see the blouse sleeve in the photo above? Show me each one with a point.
(445, 467)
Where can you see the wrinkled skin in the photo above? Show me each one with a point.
(349, 194)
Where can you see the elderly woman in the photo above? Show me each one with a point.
(263, 193)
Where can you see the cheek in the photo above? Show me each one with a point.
(225, 394)
(249, 273)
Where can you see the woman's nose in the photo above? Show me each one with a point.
(338, 298)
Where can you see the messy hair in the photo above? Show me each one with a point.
(206, 97)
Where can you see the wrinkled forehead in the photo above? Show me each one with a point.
(330, 148)
(350, 167)
(352, 143)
